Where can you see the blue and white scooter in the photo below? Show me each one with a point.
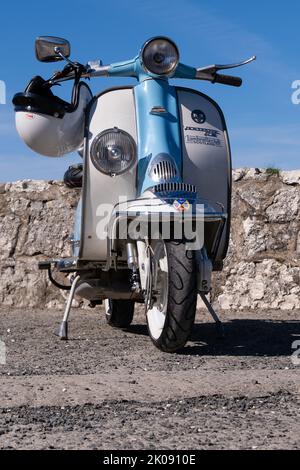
(153, 220)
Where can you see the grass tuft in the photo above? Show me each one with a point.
(272, 171)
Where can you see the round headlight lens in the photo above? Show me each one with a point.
(160, 56)
(113, 151)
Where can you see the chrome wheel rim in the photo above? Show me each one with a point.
(156, 313)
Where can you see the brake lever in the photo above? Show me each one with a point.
(67, 73)
(213, 69)
(57, 75)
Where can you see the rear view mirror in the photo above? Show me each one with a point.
(46, 48)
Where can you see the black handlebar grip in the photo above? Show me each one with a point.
(227, 80)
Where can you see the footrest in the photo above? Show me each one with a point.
(44, 265)
(67, 264)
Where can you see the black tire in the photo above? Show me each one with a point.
(120, 314)
(181, 298)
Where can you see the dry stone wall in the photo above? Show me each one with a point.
(262, 269)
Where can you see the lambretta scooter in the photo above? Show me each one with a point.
(153, 220)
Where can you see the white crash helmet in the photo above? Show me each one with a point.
(49, 125)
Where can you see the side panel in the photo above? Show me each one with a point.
(113, 108)
(206, 152)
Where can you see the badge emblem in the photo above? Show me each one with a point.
(181, 205)
(198, 116)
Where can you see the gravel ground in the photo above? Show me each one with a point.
(112, 389)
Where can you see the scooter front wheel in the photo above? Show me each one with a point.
(119, 312)
(171, 306)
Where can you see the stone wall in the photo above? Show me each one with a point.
(262, 269)
(36, 219)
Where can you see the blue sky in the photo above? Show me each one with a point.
(264, 125)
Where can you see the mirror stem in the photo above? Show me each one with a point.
(58, 51)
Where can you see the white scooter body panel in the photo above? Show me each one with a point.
(206, 162)
(206, 153)
(112, 108)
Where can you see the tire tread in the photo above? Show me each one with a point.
(182, 298)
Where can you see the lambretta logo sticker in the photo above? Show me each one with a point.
(196, 139)
(207, 132)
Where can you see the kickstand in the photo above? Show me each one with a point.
(63, 329)
(219, 324)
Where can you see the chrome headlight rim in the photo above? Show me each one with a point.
(95, 158)
(142, 60)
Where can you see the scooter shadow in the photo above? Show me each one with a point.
(242, 338)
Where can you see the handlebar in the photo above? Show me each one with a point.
(133, 68)
(227, 80)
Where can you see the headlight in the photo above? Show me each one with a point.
(159, 56)
(113, 151)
